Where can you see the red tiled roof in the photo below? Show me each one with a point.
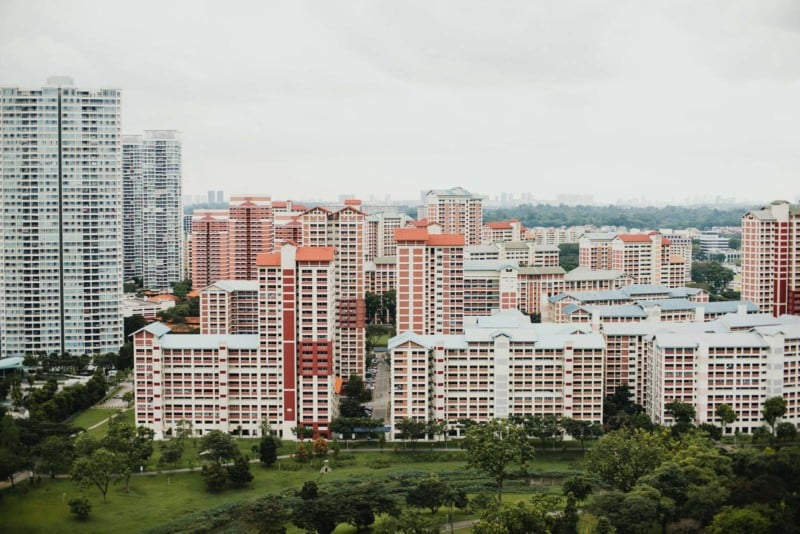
(665, 241)
(163, 298)
(268, 259)
(446, 240)
(499, 225)
(352, 202)
(634, 238)
(315, 254)
(411, 234)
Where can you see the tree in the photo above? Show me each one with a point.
(411, 429)
(630, 513)
(101, 469)
(409, 523)
(712, 274)
(302, 454)
(568, 522)
(748, 520)
(683, 415)
(303, 432)
(182, 288)
(568, 256)
(56, 454)
(620, 457)
(268, 450)
(428, 493)
(535, 515)
(10, 463)
(496, 445)
(219, 446)
(581, 430)
(214, 475)
(786, 431)
(171, 452)
(578, 485)
(80, 506)
(437, 428)
(355, 389)
(774, 409)
(268, 514)
(726, 415)
(320, 446)
(239, 473)
(133, 443)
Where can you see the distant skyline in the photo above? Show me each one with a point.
(614, 99)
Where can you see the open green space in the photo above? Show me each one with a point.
(158, 499)
(92, 416)
(102, 430)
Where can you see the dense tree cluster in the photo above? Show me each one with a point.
(703, 218)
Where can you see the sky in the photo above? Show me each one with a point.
(304, 99)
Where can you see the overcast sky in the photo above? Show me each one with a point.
(301, 99)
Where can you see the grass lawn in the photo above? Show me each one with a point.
(92, 416)
(158, 499)
(102, 430)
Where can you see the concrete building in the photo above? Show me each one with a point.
(61, 219)
(458, 211)
(227, 381)
(152, 209)
(502, 365)
(430, 279)
(210, 247)
(345, 230)
(771, 258)
(380, 240)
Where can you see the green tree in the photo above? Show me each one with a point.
(303, 432)
(683, 415)
(301, 453)
(268, 450)
(711, 274)
(774, 409)
(101, 469)
(355, 389)
(620, 457)
(214, 475)
(409, 522)
(635, 512)
(536, 515)
(748, 520)
(239, 473)
(219, 446)
(56, 455)
(568, 256)
(182, 288)
(80, 506)
(133, 443)
(268, 515)
(427, 493)
(581, 430)
(411, 429)
(786, 431)
(578, 485)
(726, 415)
(496, 445)
(171, 452)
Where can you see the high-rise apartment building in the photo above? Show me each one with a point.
(771, 258)
(152, 210)
(345, 231)
(430, 281)
(60, 219)
(458, 211)
(226, 243)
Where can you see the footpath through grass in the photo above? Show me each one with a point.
(160, 499)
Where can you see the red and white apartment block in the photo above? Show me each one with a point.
(430, 281)
(771, 258)
(458, 211)
(227, 381)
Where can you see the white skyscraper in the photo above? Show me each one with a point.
(60, 219)
(153, 213)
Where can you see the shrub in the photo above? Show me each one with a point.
(80, 506)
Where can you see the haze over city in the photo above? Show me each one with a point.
(311, 99)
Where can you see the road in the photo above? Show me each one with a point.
(380, 395)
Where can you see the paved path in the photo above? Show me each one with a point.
(380, 399)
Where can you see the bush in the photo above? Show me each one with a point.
(80, 506)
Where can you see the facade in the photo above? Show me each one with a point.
(61, 220)
(229, 307)
(152, 209)
(430, 278)
(345, 230)
(250, 234)
(502, 365)
(458, 211)
(225, 381)
(210, 247)
(771, 258)
(380, 227)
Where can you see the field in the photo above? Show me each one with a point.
(157, 499)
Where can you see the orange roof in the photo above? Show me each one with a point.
(352, 202)
(193, 294)
(337, 384)
(278, 203)
(634, 238)
(163, 298)
(500, 225)
(665, 241)
(315, 254)
(446, 240)
(268, 259)
(299, 207)
(420, 223)
(411, 234)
